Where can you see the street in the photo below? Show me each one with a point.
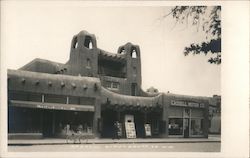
(138, 147)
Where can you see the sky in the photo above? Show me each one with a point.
(37, 29)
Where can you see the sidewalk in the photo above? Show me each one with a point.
(54, 141)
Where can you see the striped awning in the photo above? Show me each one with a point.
(51, 106)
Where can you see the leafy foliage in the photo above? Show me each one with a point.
(207, 18)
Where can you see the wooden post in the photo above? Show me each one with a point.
(53, 123)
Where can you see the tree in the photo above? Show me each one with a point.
(207, 18)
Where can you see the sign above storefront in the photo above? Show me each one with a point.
(187, 104)
(51, 106)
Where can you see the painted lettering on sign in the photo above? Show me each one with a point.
(187, 104)
(178, 103)
(191, 104)
(54, 107)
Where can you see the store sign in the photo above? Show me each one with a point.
(178, 103)
(187, 104)
(54, 107)
(147, 130)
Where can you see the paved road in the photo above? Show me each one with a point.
(140, 147)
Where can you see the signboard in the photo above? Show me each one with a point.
(119, 129)
(147, 130)
(130, 129)
(51, 106)
(187, 104)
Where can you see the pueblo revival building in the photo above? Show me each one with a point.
(95, 89)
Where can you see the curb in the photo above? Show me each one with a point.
(60, 143)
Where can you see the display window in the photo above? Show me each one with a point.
(185, 122)
(175, 126)
(196, 126)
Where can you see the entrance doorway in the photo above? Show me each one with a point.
(109, 118)
(47, 123)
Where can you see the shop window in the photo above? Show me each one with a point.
(196, 126)
(23, 120)
(175, 126)
(134, 54)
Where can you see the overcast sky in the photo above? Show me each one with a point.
(45, 29)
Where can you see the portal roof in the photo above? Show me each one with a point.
(187, 97)
(126, 100)
(53, 83)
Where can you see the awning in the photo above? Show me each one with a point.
(52, 106)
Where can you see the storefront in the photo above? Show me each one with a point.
(187, 119)
(138, 117)
(49, 120)
(41, 105)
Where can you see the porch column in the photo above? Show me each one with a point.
(118, 115)
(166, 104)
(145, 116)
(53, 122)
(97, 116)
(206, 119)
(41, 121)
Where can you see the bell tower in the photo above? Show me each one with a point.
(133, 67)
(83, 55)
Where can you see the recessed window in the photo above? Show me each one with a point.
(88, 63)
(112, 85)
(115, 85)
(108, 84)
(88, 43)
(134, 54)
(134, 71)
(75, 43)
(122, 51)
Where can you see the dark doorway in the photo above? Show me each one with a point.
(47, 123)
(139, 125)
(109, 118)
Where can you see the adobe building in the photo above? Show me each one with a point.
(95, 89)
